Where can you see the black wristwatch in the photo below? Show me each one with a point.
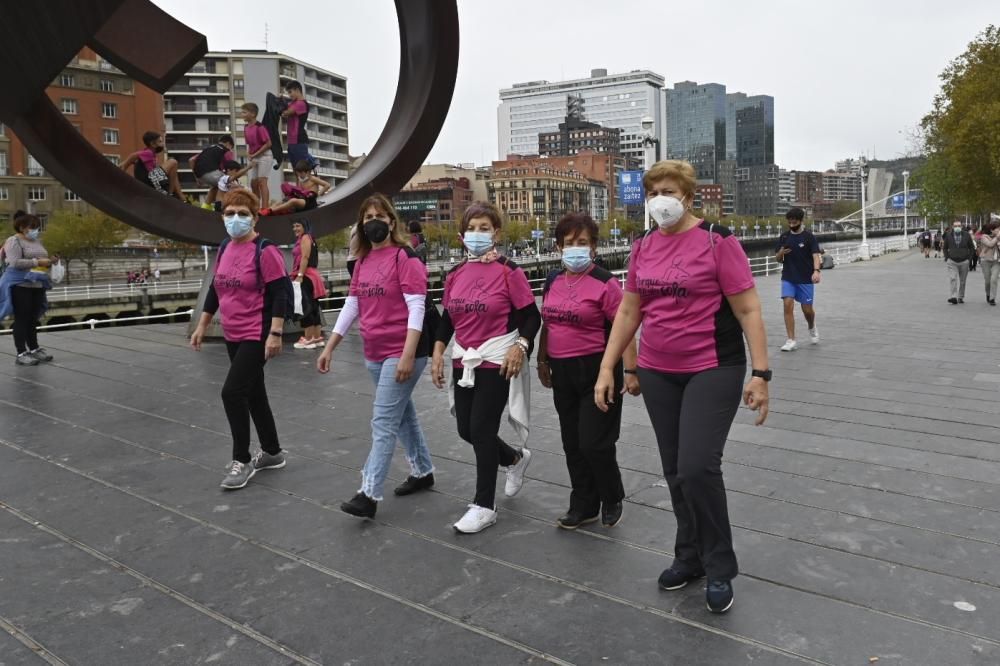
(630, 372)
(763, 374)
(277, 334)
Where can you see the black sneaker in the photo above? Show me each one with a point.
(573, 519)
(413, 484)
(675, 577)
(992, 301)
(953, 301)
(361, 506)
(611, 514)
(961, 300)
(719, 595)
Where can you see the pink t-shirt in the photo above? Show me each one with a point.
(682, 282)
(576, 309)
(241, 299)
(480, 298)
(256, 136)
(294, 121)
(148, 158)
(380, 280)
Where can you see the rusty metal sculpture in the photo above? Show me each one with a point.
(37, 39)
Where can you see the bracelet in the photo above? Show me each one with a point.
(276, 334)
(630, 372)
(523, 344)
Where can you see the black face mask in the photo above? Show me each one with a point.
(376, 231)
(795, 226)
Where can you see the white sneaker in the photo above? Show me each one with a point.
(790, 345)
(813, 336)
(476, 519)
(515, 474)
(304, 343)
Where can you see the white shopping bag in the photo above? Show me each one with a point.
(57, 273)
(297, 288)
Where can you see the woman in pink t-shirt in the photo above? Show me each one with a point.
(305, 271)
(388, 291)
(490, 309)
(248, 291)
(579, 303)
(689, 285)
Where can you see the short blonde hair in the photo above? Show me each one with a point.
(678, 171)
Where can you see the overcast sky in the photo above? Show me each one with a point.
(848, 77)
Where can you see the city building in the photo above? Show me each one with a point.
(616, 100)
(108, 108)
(602, 167)
(696, 126)
(575, 134)
(438, 200)
(736, 102)
(839, 186)
(786, 186)
(708, 199)
(754, 136)
(528, 192)
(205, 103)
(598, 200)
(757, 190)
(476, 176)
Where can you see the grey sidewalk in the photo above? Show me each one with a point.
(866, 512)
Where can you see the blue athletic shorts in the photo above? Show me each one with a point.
(803, 293)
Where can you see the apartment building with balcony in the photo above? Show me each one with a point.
(106, 106)
(205, 103)
(528, 191)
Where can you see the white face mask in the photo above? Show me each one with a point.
(667, 211)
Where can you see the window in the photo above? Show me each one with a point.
(109, 110)
(69, 195)
(238, 85)
(70, 106)
(110, 136)
(3, 164)
(36, 193)
(34, 167)
(4, 193)
(107, 85)
(114, 159)
(67, 80)
(3, 130)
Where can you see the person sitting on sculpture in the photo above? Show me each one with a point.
(152, 169)
(303, 194)
(208, 165)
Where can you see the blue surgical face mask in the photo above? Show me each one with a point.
(478, 243)
(32, 234)
(238, 226)
(577, 259)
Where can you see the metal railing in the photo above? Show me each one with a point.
(104, 323)
(90, 292)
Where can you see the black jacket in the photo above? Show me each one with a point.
(961, 250)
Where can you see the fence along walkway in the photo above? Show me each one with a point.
(866, 511)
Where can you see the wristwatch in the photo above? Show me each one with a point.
(629, 371)
(276, 334)
(763, 374)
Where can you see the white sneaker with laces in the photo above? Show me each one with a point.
(515, 474)
(304, 343)
(814, 336)
(790, 345)
(476, 519)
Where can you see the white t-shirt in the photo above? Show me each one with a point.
(226, 183)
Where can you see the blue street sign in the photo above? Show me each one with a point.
(616, 232)
(630, 189)
(897, 199)
(537, 233)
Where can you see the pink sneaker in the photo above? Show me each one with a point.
(304, 343)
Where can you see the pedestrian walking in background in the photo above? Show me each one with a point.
(958, 250)
(388, 292)
(974, 259)
(490, 310)
(305, 272)
(689, 285)
(801, 259)
(579, 303)
(23, 285)
(989, 256)
(250, 291)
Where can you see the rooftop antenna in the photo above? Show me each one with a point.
(266, 45)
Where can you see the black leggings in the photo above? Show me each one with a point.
(588, 434)
(310, 304)
(691, 416)
(27, 303)
(244, 396)
(478, 411)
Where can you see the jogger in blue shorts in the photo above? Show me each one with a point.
(798, 251)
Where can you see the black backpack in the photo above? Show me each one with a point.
(259, 244)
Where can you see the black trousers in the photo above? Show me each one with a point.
(27, 303)
(244, 397)
(478, 410)
(691, 416)
(589, 435)
(310, 304)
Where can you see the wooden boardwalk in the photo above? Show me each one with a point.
(866, 512)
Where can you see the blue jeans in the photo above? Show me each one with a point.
(299, 151)
(393, 415)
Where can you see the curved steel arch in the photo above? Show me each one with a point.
(428, 31)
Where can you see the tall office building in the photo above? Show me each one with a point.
(696, 126)
(737, 101)
(754, 136)
(205, 103)
(108, 108)
(616, 100)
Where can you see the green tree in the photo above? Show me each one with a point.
(962, 132)
(515, 231)
(334, 242)
(183, 251)
(82, 236)
(844, 207)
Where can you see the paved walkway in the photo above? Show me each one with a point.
(866, 512)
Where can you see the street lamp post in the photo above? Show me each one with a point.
(863, 248)
(906, 206)
(649, 145)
